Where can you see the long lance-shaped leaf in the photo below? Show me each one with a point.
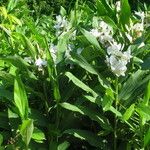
(93, 115)
(26, 131)
(81, 61)
(125, 12)
(80, 84)
(30, 48)
(88, 136)
(131, 84)
(20, 98)
(92, 39)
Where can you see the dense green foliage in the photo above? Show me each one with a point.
(74, 75)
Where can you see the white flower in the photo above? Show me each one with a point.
(105, 38)
(138, 27)
(60, 22)
(141, 45)
(117, 59)
(118, 6)
(129, 37)
(95, 32)
(114, 48)
(140, 14)
(40, 62)
(28, 60)
(79, 50)
(53, 50)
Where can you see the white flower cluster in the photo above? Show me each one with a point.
(103, 33)
(61, 22)
(135, 30)
(62, 26)
(117, 59)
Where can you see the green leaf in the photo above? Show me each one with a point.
(80, 84)
(3, 12)
(128, 112)
(109, 21)
(20, 98)
(63, 11)
(81, 61)
(146, 64)
(144, 112)
(38, 135)
(63, 146)
(31, 51)
(26, 130)
(92, 39)
(115, 111)
(12, 4)
(88, 136)
(147, 138)
(93, 115)
(125, 12)
(147, 94)
(101, 10)
(133, 82)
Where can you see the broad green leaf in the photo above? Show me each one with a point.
(63, 11)
(20, 98)
(88, 136)
(144, 112)
(92, 39)
(125, 12)
(128, 112)
(147, 138)
(80, 84)
(26, 130)
(93, 115)
(63, 146)
(38, 135)
(108, 99)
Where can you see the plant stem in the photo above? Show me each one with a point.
(115, 118)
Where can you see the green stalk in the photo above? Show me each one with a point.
(116, 119)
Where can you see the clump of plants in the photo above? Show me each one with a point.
(76, 80)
